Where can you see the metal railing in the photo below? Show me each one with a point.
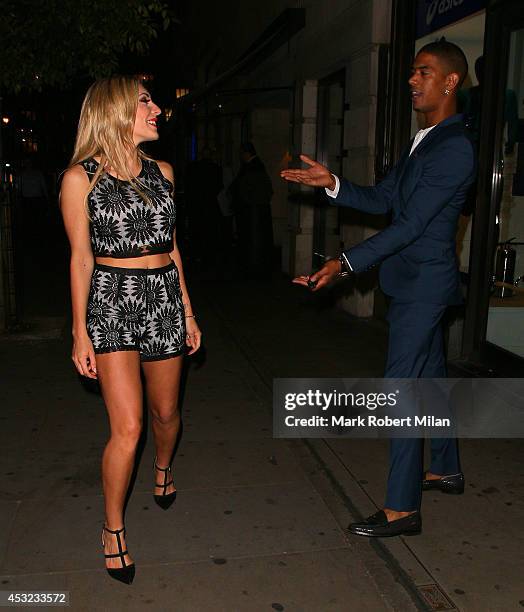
(8, 306)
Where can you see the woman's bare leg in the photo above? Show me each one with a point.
(162, 387)
(119, 377)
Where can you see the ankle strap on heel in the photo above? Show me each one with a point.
(165, 484)
(116, 530)
(167, 469)
(121, 553)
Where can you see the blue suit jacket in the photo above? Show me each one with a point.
(425, 193)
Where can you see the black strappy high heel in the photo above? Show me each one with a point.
(164, 501)
(126, 573)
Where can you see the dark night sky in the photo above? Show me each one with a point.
(203, 33)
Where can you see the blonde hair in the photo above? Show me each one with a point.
(105, 129)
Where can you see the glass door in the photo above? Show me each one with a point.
(494, 331)
(505, 321)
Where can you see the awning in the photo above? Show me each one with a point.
(279, 32)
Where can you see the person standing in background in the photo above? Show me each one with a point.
(252, 191)
(202, 186)
(34, 197)
(225, 203)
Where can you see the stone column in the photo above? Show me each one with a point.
(301, 217)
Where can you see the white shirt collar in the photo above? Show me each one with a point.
(419, 136)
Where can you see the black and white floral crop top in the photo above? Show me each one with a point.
(122, 223)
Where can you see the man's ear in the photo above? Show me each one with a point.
(452, 81)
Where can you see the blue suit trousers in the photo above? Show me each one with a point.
(416, 350)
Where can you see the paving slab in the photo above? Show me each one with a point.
(250, 528)
(8, 511)
(231, 463)
(219, 522)
(37, 475)
(472, 545)
(327, 580)
(462, 545)
(55, 473)
(235, 423)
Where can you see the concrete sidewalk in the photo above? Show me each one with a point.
(470, 555)
(259, 523)
(256, 525)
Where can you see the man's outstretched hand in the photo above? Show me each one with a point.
(316, 175)
(323, 277)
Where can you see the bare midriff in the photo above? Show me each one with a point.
(146, 261)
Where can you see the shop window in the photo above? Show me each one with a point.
(505, 326)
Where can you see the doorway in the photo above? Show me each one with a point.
(330, 138)
(494, 331)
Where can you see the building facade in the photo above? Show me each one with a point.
(328, 78)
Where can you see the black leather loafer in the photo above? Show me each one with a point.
(377, 526)
(453, 484)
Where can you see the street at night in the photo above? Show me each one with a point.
(203, 204)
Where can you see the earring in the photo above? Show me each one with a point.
(446, 92)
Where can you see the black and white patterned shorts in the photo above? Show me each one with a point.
(137, 310)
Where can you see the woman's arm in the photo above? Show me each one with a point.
(194, 335)
(74, 187)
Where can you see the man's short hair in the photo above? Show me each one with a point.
(450, 55)
(248, 147)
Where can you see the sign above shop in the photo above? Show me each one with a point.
(435, 14)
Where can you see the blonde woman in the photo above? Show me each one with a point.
(131, 308)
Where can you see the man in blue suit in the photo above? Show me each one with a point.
(424, 193)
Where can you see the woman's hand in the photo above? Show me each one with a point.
(194, 335)
(84, 356)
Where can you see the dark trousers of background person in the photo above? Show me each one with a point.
(32, 233)
(204, 231)
(33, 215)
(226, 243)
(416, 350)
(255, 240)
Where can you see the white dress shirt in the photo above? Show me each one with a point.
(419, 136)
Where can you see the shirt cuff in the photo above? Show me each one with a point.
(346, 260)
(333, 193)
